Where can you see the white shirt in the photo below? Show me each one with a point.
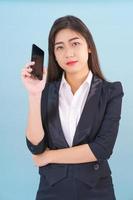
(71, 106)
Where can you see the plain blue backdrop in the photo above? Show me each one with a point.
(25, 22)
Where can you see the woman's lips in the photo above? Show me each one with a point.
(71, 62)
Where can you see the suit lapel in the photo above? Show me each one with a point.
(87, 117)
(54, 122)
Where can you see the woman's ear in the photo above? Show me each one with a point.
(89, 51)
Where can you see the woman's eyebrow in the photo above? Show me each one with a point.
(75, 38)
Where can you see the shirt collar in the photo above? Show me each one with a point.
(87, 80)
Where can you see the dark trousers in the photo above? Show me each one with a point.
(71, 188)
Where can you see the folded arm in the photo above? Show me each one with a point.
(102, 146)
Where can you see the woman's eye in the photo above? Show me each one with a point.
(75, 43)
(59, 48)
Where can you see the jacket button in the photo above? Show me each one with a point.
(96, 166)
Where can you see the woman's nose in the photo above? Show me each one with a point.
(69, 53)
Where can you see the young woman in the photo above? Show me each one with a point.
(73, 117)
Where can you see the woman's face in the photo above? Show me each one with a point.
(71, 51)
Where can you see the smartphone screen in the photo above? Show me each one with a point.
(37, 55)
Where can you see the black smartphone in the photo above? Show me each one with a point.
(37, 55)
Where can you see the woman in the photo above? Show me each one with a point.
(73, 134)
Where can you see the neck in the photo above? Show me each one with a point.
(76, 79)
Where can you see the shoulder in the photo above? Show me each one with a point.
(45, 90)
(113, 86)
(113, 89)
(51, 88)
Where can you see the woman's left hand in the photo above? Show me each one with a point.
(43, 158)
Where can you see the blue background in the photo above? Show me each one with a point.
(25, 22)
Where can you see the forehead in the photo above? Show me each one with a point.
(66, 34)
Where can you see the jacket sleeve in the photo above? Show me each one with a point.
(43, 144)
(103, 144)
(39, 148)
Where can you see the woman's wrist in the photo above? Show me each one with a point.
(52, 156)
(35, 98)
(34, 104)
(36, 95)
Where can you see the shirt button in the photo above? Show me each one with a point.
(96, 166)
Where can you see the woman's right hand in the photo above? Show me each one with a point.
(34, 86)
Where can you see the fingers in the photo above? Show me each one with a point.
(26, 71)
(29, 64)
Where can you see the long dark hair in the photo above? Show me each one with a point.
(54, 72)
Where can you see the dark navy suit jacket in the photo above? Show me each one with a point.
(97, 127)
